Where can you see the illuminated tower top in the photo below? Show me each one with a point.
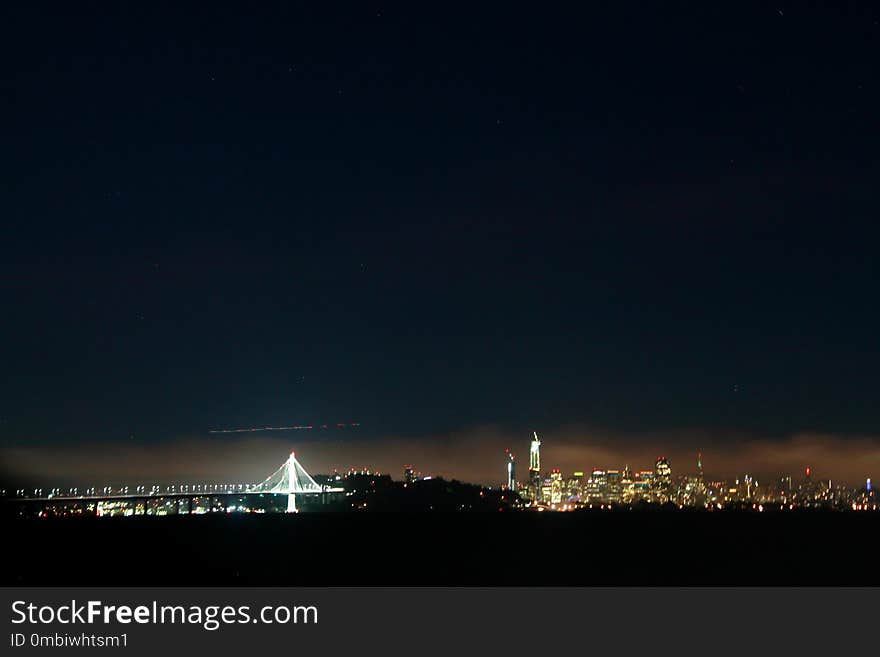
(662, 471)
(511, 470)
(535, 453)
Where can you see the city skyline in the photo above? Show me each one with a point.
(478, 457)
(362, 489)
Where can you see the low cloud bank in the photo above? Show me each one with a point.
(470, 455)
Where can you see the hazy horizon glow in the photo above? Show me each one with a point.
(474, 455)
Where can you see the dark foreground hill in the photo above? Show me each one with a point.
(601, 548)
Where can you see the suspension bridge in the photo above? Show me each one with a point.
(290, 479)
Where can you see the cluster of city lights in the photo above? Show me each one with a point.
(607, 489)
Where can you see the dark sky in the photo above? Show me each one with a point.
(425, 219)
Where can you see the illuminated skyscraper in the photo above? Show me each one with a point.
(535, 466)
(612, 492)
(662, 471)
(575, 485)
(597, 485)
(511, 470)
(643, 484)
(546, 491)
(535, 454)
(627, 487)
(556, 487)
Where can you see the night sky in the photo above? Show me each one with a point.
(645, 220)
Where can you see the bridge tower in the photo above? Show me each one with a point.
(291, 483)
(290, 479)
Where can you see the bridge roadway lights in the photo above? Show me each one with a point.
(290, 479)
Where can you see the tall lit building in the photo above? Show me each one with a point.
(662, 480)
(511, 470)
(627, 485)
(535, 466)
(535, 454)
(597, 485)
(556, 487)
(575, 485)
(612, 487)
(643, 484)
(662, 471)
(646, 476)
(866, 498)
(546, 490)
